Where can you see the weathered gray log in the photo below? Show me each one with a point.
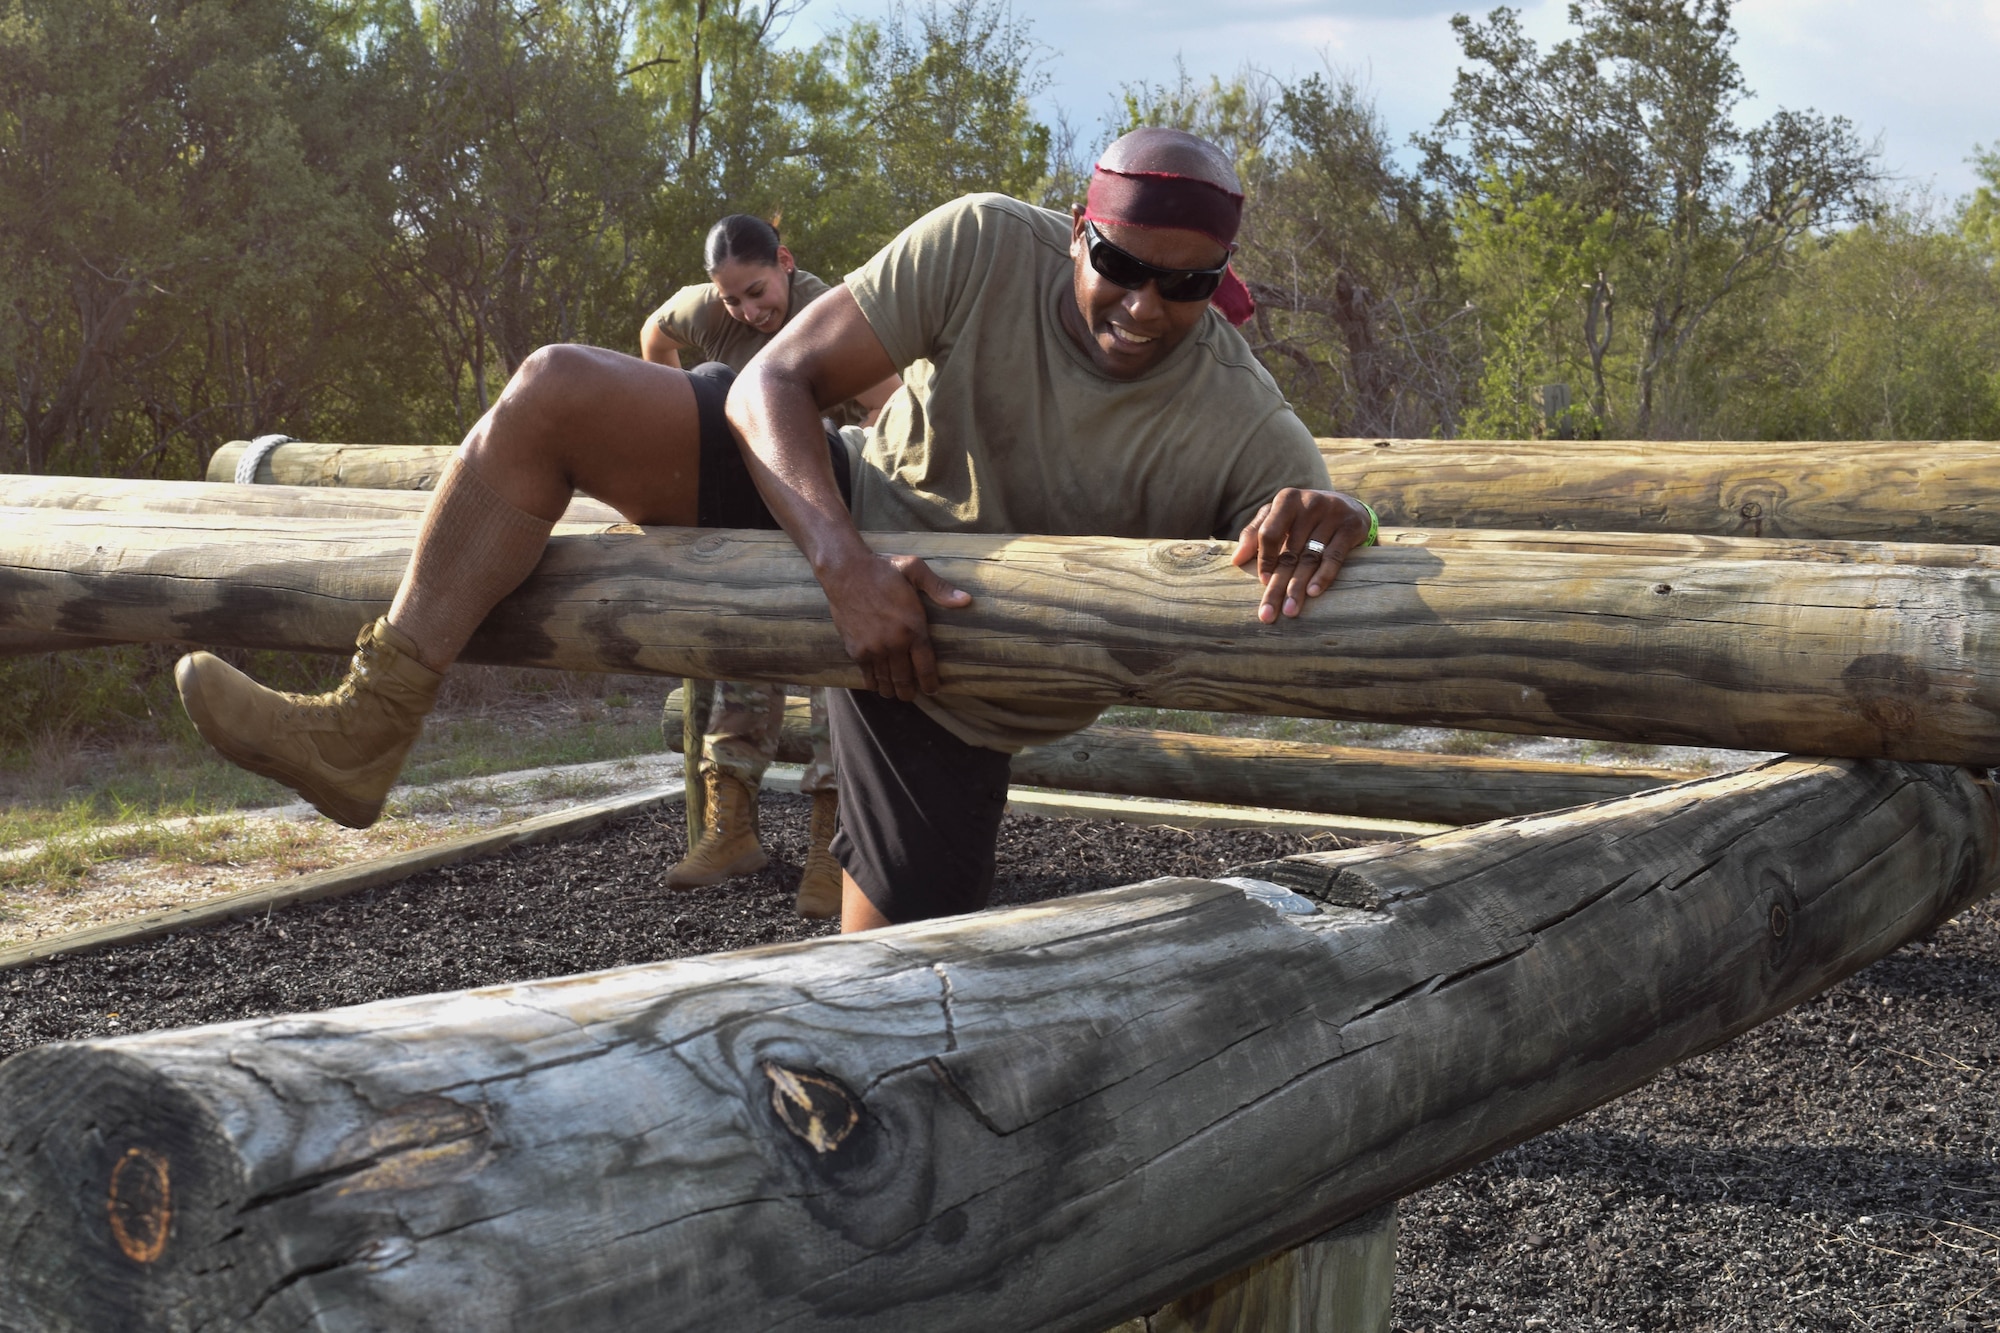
(1851, 490)
(1867, 651)
(1845, 490)
(1280, 775)
(110, 495)
(1053, 1117)
(1342, 1282)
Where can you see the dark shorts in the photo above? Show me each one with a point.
(725, 496)
(919, 808)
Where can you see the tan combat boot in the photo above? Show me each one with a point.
(729, 845)
(341, 751)
(819, 883)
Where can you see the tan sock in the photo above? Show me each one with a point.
(473, 549)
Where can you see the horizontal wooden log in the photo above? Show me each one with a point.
(395, 467)
(1889, 653)
(1053, 1117)
(1280, 775)
(1850, 490)
(1844, 490)
(110, 495)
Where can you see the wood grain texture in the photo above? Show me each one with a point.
(1881, 651)
(1052, 1117)
(1847, 490)
(1854, 490)
(110, 495)
(395, 467)
(1280, 775)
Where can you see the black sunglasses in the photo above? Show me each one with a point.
(1131, 272)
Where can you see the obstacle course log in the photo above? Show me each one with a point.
(966, 1123)
(1852, 490)
(116, 496)
(1846, 490)
(395, 467)
(1893, 659)
(1281, 775)
(1806, 656)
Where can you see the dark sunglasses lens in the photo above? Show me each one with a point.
(1189, 286)
(1114, 265)
(1131, 273)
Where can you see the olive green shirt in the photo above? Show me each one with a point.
(1004, 424)
(695, 318)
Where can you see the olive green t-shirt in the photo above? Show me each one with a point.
(695, 317)
(1003, 424)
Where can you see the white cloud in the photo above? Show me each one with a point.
(1917, 72)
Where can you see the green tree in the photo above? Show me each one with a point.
(1634, 119)
(1889, 330)
(940, 99)
(182, 201)
(523, 161)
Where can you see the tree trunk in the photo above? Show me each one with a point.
(1874, 651)
(1054, 1117)
(1282, 775)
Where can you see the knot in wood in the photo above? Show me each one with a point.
(814, 1107)
(1185, 557)
(710, 544)
(1781, 921)
(140, 1205)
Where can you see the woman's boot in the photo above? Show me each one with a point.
(729, 845)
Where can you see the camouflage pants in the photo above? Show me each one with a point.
(743, 729)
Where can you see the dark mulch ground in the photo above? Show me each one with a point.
(1838, 1168)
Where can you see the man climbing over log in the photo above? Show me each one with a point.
(1061, 375)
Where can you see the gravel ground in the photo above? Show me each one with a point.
(1838, 1168)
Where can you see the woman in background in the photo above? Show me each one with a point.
(754, 288)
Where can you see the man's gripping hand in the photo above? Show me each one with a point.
(1278, 540)
(880, 615)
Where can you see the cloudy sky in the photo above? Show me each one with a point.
(1921, 74)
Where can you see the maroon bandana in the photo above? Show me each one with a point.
(1167, 200)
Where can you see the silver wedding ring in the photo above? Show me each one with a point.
(1316, 547)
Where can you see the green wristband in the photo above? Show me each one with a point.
(1374, 537)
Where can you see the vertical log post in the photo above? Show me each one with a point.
(1341, 1282)
(694, 723)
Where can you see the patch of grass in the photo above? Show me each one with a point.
(67, 857)
(1619, 750)
(473, 747)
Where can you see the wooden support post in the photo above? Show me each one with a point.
(1879, 650)
(1341, 1282)
(694, 725)
(1051, 1117)
(1283, 775)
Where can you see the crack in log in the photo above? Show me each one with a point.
(944, 1002)
(963, 1098)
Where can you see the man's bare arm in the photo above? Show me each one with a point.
(826, 355)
